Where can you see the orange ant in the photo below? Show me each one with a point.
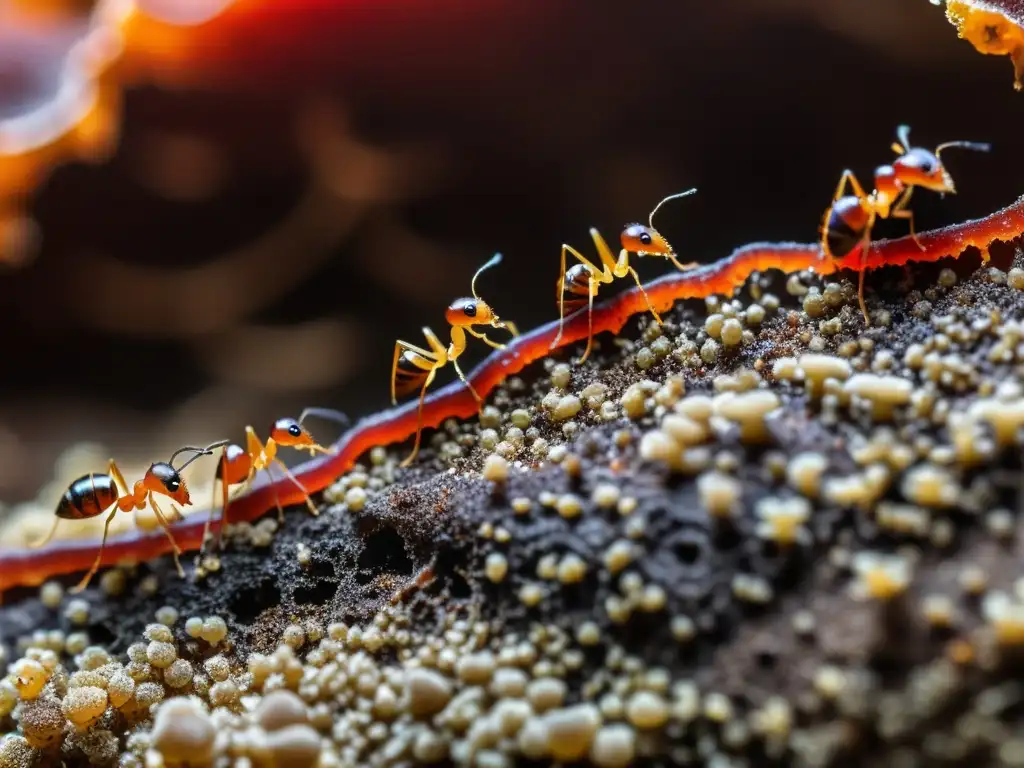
(417, 366)
(92, 494)
(240, 465)
(585, 279)
(849, 220)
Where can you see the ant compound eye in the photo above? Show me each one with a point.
(295, 430)
(645, 238)
(927, 165)
(172, 484)
(469, 309)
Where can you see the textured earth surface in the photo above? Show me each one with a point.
(759, 533)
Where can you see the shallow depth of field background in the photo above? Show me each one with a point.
(335, 173)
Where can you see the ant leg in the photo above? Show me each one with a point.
(288, 473)
(277, 499)
(483, 337)
(213, 508)
(170, 536)
(848, 176)
(46, 539)
(860, 285)
(421, 358)
(419, 420)
(561, 302)
(99, 556)
(682, 267)
(465, 381)
(591, 291)
(909, 216)
(226, 490)
(823, 242)
(508, 325)
(324, 413)
(639, 285)
(606, 255)
(115, 472)
(176, 515)
(257, 450)
(561, 280)
(317, 448)
(213, 505)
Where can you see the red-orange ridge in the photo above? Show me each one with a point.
(28, 568)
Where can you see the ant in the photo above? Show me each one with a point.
(849, 220)
(240, 465)
(585, 279)
(91, 495)
(416, 367)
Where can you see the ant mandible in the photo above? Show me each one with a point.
(91, 495)
(585, 279)
(849, 220)
(240, 465)
(417, 366)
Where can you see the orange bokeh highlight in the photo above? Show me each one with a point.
(79, 61)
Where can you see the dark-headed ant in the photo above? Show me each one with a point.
(585, 278)
(91, 495)
(416, 367)
(240, 465)
(849, 220)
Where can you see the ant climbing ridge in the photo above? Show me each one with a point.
(91, 495)
(585, 279)
(240, 465)
(19, 568)
(849, 220)
(416, 367)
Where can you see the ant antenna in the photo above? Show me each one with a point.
(903, 134)
(495, 259)
(976, 146)
(325, 413)
(650, 219)
(197, 451)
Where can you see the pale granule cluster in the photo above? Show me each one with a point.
(917, 423)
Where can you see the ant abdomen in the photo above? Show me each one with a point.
(407, 376)
(577, 281)
(88, 496)
(844, 229)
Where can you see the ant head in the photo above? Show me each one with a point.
(164, 479)
(644, 241)
(920, 167)
(474, 311)
(290, 433)
(467, 311)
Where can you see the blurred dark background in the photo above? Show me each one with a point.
(312, 180)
